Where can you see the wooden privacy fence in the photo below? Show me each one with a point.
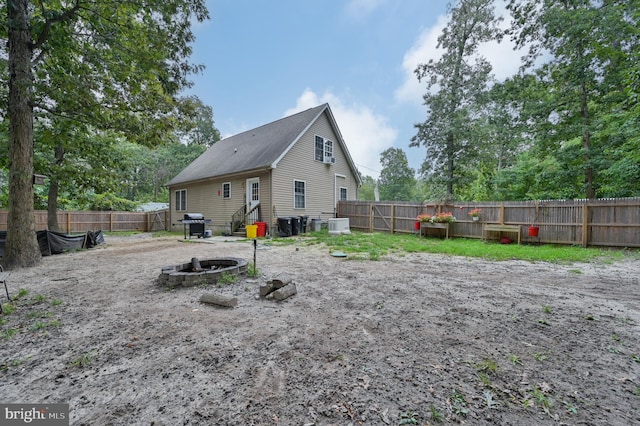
(600, 222)
(83, 221)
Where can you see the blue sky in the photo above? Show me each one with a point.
(268, 59)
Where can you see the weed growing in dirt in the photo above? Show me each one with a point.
(515, 359)
(8, 308)
(488, 399)
(40, 298)
(543, 321)
(21, 293)
(635, 357)
(9, 333)
(458, 403)
(488, 365)
(540, 356)
(436, 416)
(83, 360)
(540, 396)
(56, 302)
(227, 278)
(546, 309)
(252, 271)
(13, 363)
(409, 418)
(571, 409)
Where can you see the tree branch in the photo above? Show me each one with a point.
(61, 17)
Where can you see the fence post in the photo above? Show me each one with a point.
(111, 221)
(585, 225)
(371, 218)
(68, 222)
(393, 218)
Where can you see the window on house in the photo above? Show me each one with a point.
(323, 148)
(181, 200)
(226, 190)
(343, 193)
(319, 152)
(299, 194)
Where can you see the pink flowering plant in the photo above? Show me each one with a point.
(475, 212)
(437, 218)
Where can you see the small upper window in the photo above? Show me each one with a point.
(319, 149)
(323, 149)
(226, 190)
(343, 193)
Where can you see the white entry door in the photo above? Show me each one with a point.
(253, 199)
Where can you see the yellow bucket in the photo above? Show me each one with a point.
(252, 231)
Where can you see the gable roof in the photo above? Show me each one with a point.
(257, 149)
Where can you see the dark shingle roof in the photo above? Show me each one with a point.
(255, 149)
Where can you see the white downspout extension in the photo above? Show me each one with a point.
(335, 191)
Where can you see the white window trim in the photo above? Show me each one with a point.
(294, 194)
(184, 208)
(223, 184)
(346, 192)
(325, 143)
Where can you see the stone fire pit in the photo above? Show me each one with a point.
(212, 269)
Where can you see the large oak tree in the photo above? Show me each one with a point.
(114, 65)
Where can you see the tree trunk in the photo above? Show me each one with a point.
(52, 196)
(22, 246)
(52, 206)
(450, 165)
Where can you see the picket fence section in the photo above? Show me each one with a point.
(598, 222)
(83, 221)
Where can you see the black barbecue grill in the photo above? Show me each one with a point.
(196, 223)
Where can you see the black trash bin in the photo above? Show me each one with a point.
(304, 220)
(295, 225)
(284, 227)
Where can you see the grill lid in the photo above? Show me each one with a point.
(193, 216)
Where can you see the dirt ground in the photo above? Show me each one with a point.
(414, 339)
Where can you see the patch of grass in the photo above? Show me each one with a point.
(541, 356)
(436, 416)
(575, 271)
(8, 308)
(9, 333)
(546, 309)
(21, 293)
(83, 360)
(488, 365)
(635, 357)
(227, 278)
(376, 245)
(484, 379)
(515, 359)
(40, 298)
(56, 302)
(252, 271)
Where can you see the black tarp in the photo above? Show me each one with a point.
(55, 242)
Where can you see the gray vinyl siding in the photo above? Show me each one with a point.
(300, 164)
(203, 198)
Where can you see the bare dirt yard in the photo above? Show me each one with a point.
(411, 339)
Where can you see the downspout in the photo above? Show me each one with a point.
(271, 218)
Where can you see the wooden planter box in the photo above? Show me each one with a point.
(425, 226)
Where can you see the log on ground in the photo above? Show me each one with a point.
(216, 299)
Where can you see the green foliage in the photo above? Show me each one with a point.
(110, 202)
(396, 178)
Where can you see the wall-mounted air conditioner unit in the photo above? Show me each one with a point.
(329, 160)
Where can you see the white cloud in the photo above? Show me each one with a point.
(366, 133)
(424, 49)
(503, 58)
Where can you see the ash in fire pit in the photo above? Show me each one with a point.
(206, 271)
